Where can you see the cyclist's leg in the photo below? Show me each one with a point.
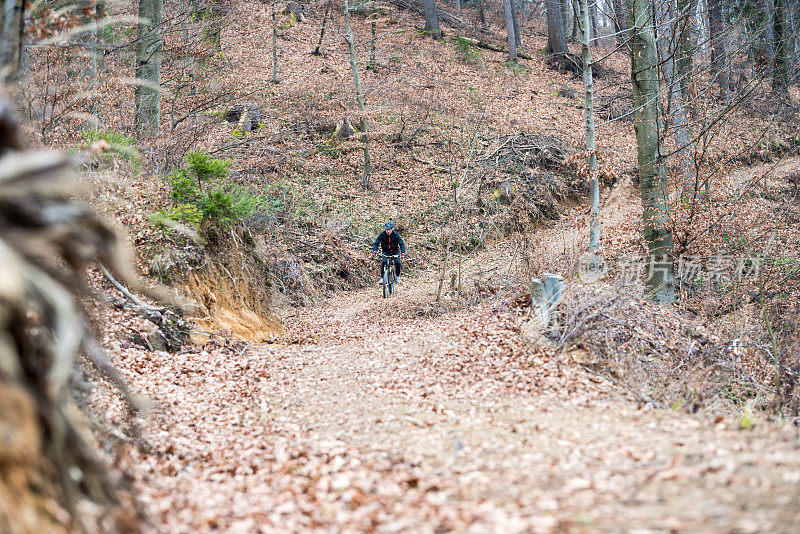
(397, 266)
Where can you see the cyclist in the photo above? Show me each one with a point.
(391, 245)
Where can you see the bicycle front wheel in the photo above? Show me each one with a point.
(386, 289)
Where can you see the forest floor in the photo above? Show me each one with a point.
(393, 422)
(388, 415)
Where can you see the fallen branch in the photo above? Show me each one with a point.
(130, 296)
(492, 47)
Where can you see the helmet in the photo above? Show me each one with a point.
(389, 225)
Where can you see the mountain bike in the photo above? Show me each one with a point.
(388, 275)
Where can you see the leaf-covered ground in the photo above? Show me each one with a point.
(386, 417)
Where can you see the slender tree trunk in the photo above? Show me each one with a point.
(687, 13)
(99, 56)
(365, 177)
(274, 45)
(431, 19)
(556, 41)
(90, 72)
(512, 41)
(373, 29)
(659, 273)
(593, 17)
(620, 22)
(780, 72)
(767, 46)
(12, 24)
(482, 14)
(576, 23)
(719, 48)
(588, 86)
(185, 13)
(148, 68)
(668, 47)
(565, 5)
(517, 39)
(322, 31)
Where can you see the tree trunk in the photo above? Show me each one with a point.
(780, 72)
(576, 23)
(593, 17)
(322, 31)
(517, 39)
(365, 177)
(588, 86)
(668, 47)
(274, 45)
(620, 23)
(719, 49)
(512, 40)
(148, 68)
(432, 19)
(565, 5)
(767, 46)
(482, 14)
(89, 74)
(659, 274)
(373, 29)
(12, 24)
(556, 41)
(687, 13)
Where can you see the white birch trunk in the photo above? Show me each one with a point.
(588, 86)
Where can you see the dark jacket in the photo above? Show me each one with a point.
(390, 244)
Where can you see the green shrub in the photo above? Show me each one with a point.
(187, 214)
(205, 168)
(202, 197)
(226, 207)
(184, 188)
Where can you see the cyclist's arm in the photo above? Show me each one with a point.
(402, 244)
(375, 244)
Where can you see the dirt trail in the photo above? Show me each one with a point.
(388, 417)
(391, 421)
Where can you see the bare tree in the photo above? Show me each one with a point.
(659, 281)
(365, 177)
